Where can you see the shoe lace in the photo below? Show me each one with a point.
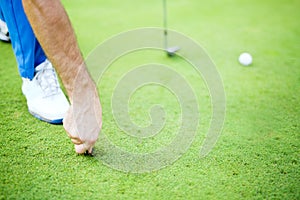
(47, 79)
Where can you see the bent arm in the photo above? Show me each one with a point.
(53, 30)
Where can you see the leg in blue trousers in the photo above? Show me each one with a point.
(45, 99)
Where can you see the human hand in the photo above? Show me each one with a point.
(83, 120)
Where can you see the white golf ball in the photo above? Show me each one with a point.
(245, 59)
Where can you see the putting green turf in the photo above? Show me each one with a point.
(257, 154)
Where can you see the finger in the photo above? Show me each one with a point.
(76, 141)
(80, 149)
(90, 151)
(72, 136)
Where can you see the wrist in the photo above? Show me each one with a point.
(78, 82)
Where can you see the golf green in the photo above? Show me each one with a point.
(257, 154)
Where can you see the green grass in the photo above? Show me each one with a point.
(257, 155)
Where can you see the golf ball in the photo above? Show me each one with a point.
(245, 59)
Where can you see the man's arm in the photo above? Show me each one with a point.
(53, 29)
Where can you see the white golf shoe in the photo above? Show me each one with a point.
(45, 99)
(4, 35)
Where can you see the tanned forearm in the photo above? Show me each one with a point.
(53, 29)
